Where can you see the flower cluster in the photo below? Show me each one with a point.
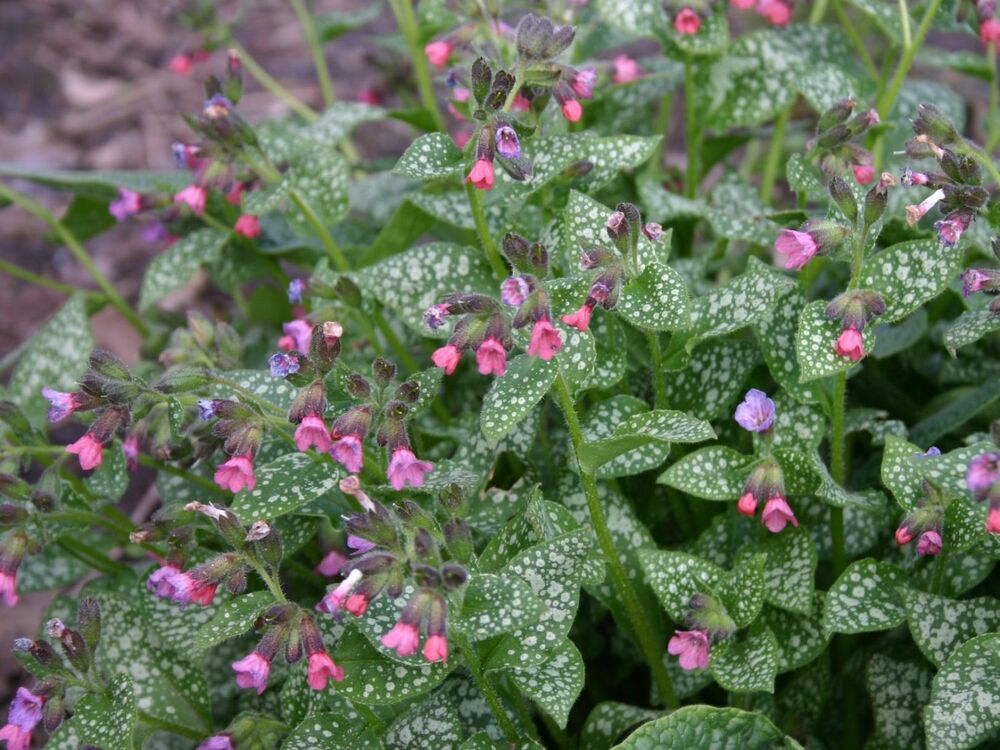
(708, 621)
(983, 479)
(834, 148)
(924, 523)
(778, 12)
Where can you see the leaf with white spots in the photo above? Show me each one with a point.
(340, 118)
(284, 485)
(54, 567)
(263, 385)
(797, 424)
(776, 336)
(800, 637)
(658, 300)
(514, 394)
(409, 282)
(964, 709)
(430, 725)
(556, 683)
(874, 422)
(713, 380)
(56, 355)
(495, 604)
(714, 473)
(736, 212)
(327, 731)
(598, 428)
(939, 625)
(816, 344)
(899, 690)
(747, 298)
(106, 721)
(865, 598)
(790, 569)
(708, 728)
(610, 356)
(110, 479)
(908, 274)
(576, 358)
(675, 577)
(585, 223)
(175, 266)
(742, 590)
(318, 177)
(746, 663)
(430, 156)
(904, 468)
(803, 177)
(232, 619)
(969, 327)
(806, 474)
(633, 17)
(608, 720)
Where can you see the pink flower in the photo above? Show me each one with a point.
(331, 564)
(572, 110)
(405, 469)
(545, 340)
(404, 639)
(129, 203)
(850, 344)
(692, 647)
(298, 336)
(904, 535)
(747, 505)
(993, 520)
(321, 669)
(334, 601)
(252, 671)
(491, 358)
(359, 544)
(130, 449)
(580, 320)
(929, 543)
(776, 11)
(216, 742)
(583, 83)
(348, 451)
(235, 196)
(356, 604)
(983, 473)
(61, 404)
(743, 4)
(514, 291)
(949, 231)
(194, 197)
(248, 225)
(863, 173)
(521, 104)
(797, 247)
(687, 22)
(989, 31)
(481, 175)
(369, 96)
(351, 486)
(162, 581)
(438, 53)
(973, 280)
(777, 513)
(447, 358)
(312, 431)
(626, 69)
(89, 449)
(236, 473)
(8, 588)
(911, 178)
(180, 64)
(436, 648)
(916, 212)
(17, 738)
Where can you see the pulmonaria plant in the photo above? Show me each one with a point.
(492, 396)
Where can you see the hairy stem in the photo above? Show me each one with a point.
(407, 21)
(774, 154)
(315, 48)
(483, 230)
(487, 689)
(656, 362)
(333, 250)
(11, 269)
(265, 79)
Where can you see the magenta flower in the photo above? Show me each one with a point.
(356, 604)
(797, 247)
(545, 340)
(929, 543)
(777, 514)
(626, 69)
(580, 320)
(89, 450)
(17, 738)
(653, 231)
(321, 669)
(687, 22)
(692, 646)
(359, 544)
(850, 344)
(347, 450)
(194, 197)
(583, 83)
(331, 564)
(236, 473)
(777, 12)
(248, 226)
(436, 648)
(162, 581)
(61, 404)
(216, 742)
(312, 431)
(481, 175)
(756, 412)
(747, 505)
(129, 203)
(252, 671)
(983, 473)
(8, 587)
(438, 53)
(26, 709)
(571, 110)
(404, 638)
(514, 291)
(187, 589)
(989, 31)
(949, 231)
(130, 449)
(973, 280)
(904, 535)
(298, 336)
(863, 173)
(993, 520)
(491, 358)
(743, 4)
(406, 470)
(447, 358)
(334, 601)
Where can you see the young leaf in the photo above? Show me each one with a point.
(330, 732)
(865, 598)
(658, 300)
(675, 577)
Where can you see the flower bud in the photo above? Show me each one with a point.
(841, 193)
(961, 168)
(453, 576)
(383, 371)
(14, 487)
(482, 77)
(357, 386)
(836, 114)
(266, 543)
(181, 381)
(108, 365)
(408, 391)
(934, 124)
(88, 621)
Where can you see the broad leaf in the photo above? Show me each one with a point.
(232, 619)
(746, 663)
(708, 728)
(940, 625)
(865, 598)
(495, 604)
(816, 342)
(713, 473)
(899, 691)
(908, 274)
(513, 395)
(556, 683)
(430, 156)
(177, 265)
(286, 484)
(964, 696)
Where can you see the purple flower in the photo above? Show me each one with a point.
(61, 405)
(929, 543)
(283, 365)
(434, 316)
(983, 473)
(129, 203)
(797, 247)
(583, 83)
(252, 671)
(756, 412)
(932, 451)
(216, 742)
(26, 709)
(975, 280)
(206, 409)
(295, 289)
(514, 291)
(653, 231)
(360, 545)
(949, 231)
(405, 469)
(508, 145)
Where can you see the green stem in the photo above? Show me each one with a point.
(859, 45)
(693, 134)
(641, 627)
(904, 21)
(656, 362)
(662, 127)
(92, 557)
(272, 585)
(273, 85)
(818, 11)
(838, 470)
(512, 94)
(774, 154)
(888, 98)
(39, 211)
(993, 126)
(316, 49)
(361, 318)
(487, 689)
(407, 22)
(333, 250)
(482, 228)
(205, 484)
(939, 565)
(24, 274)
(167, 726)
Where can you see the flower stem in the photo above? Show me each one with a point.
(774, 154)
(316, 49)
(39, 211)
(394, 342)
(838, 470)
(407, 22)
(483, 229)
(273, 85)
(24, 274)
(888, 98)
(818, 11)
(904, 21)
(656, 362)
(487, 689)
(856, 40)
(272, 584)
(693, 133)
(333, 250)
(619, 578)
(993, 126)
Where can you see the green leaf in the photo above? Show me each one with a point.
(806, 474)
(746, 663)
(110, 479)
(800, 638)
(776, 336)
(865, 598)
(904, 469)
(284, 485)
(327, 731)
(106, 721)
(431, 725)
(708, 728)
(899, 690)
(333, 24)
(969, 327)
(634, 17)
(495, 604)
(964, 696)
(908, 274)
(56, 355)
(816, 341)
(177, 265)
(233, 618)
(803, 177)
(713, 473)
(940, 625)
(676, 576)
(371, 678)
(790, 569)
(584, 226)
(713, 379)
(576, 358)
(608, 720)
(956, 412)
(263, 385)
(101, 183)
(747, 298)
(797, 424)
(736, 212)
(409, 282)
(53, 567)
(556, 683)
(430, 156)
(513, 395)
(658, 300)
(742, 591)
(627, 457)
